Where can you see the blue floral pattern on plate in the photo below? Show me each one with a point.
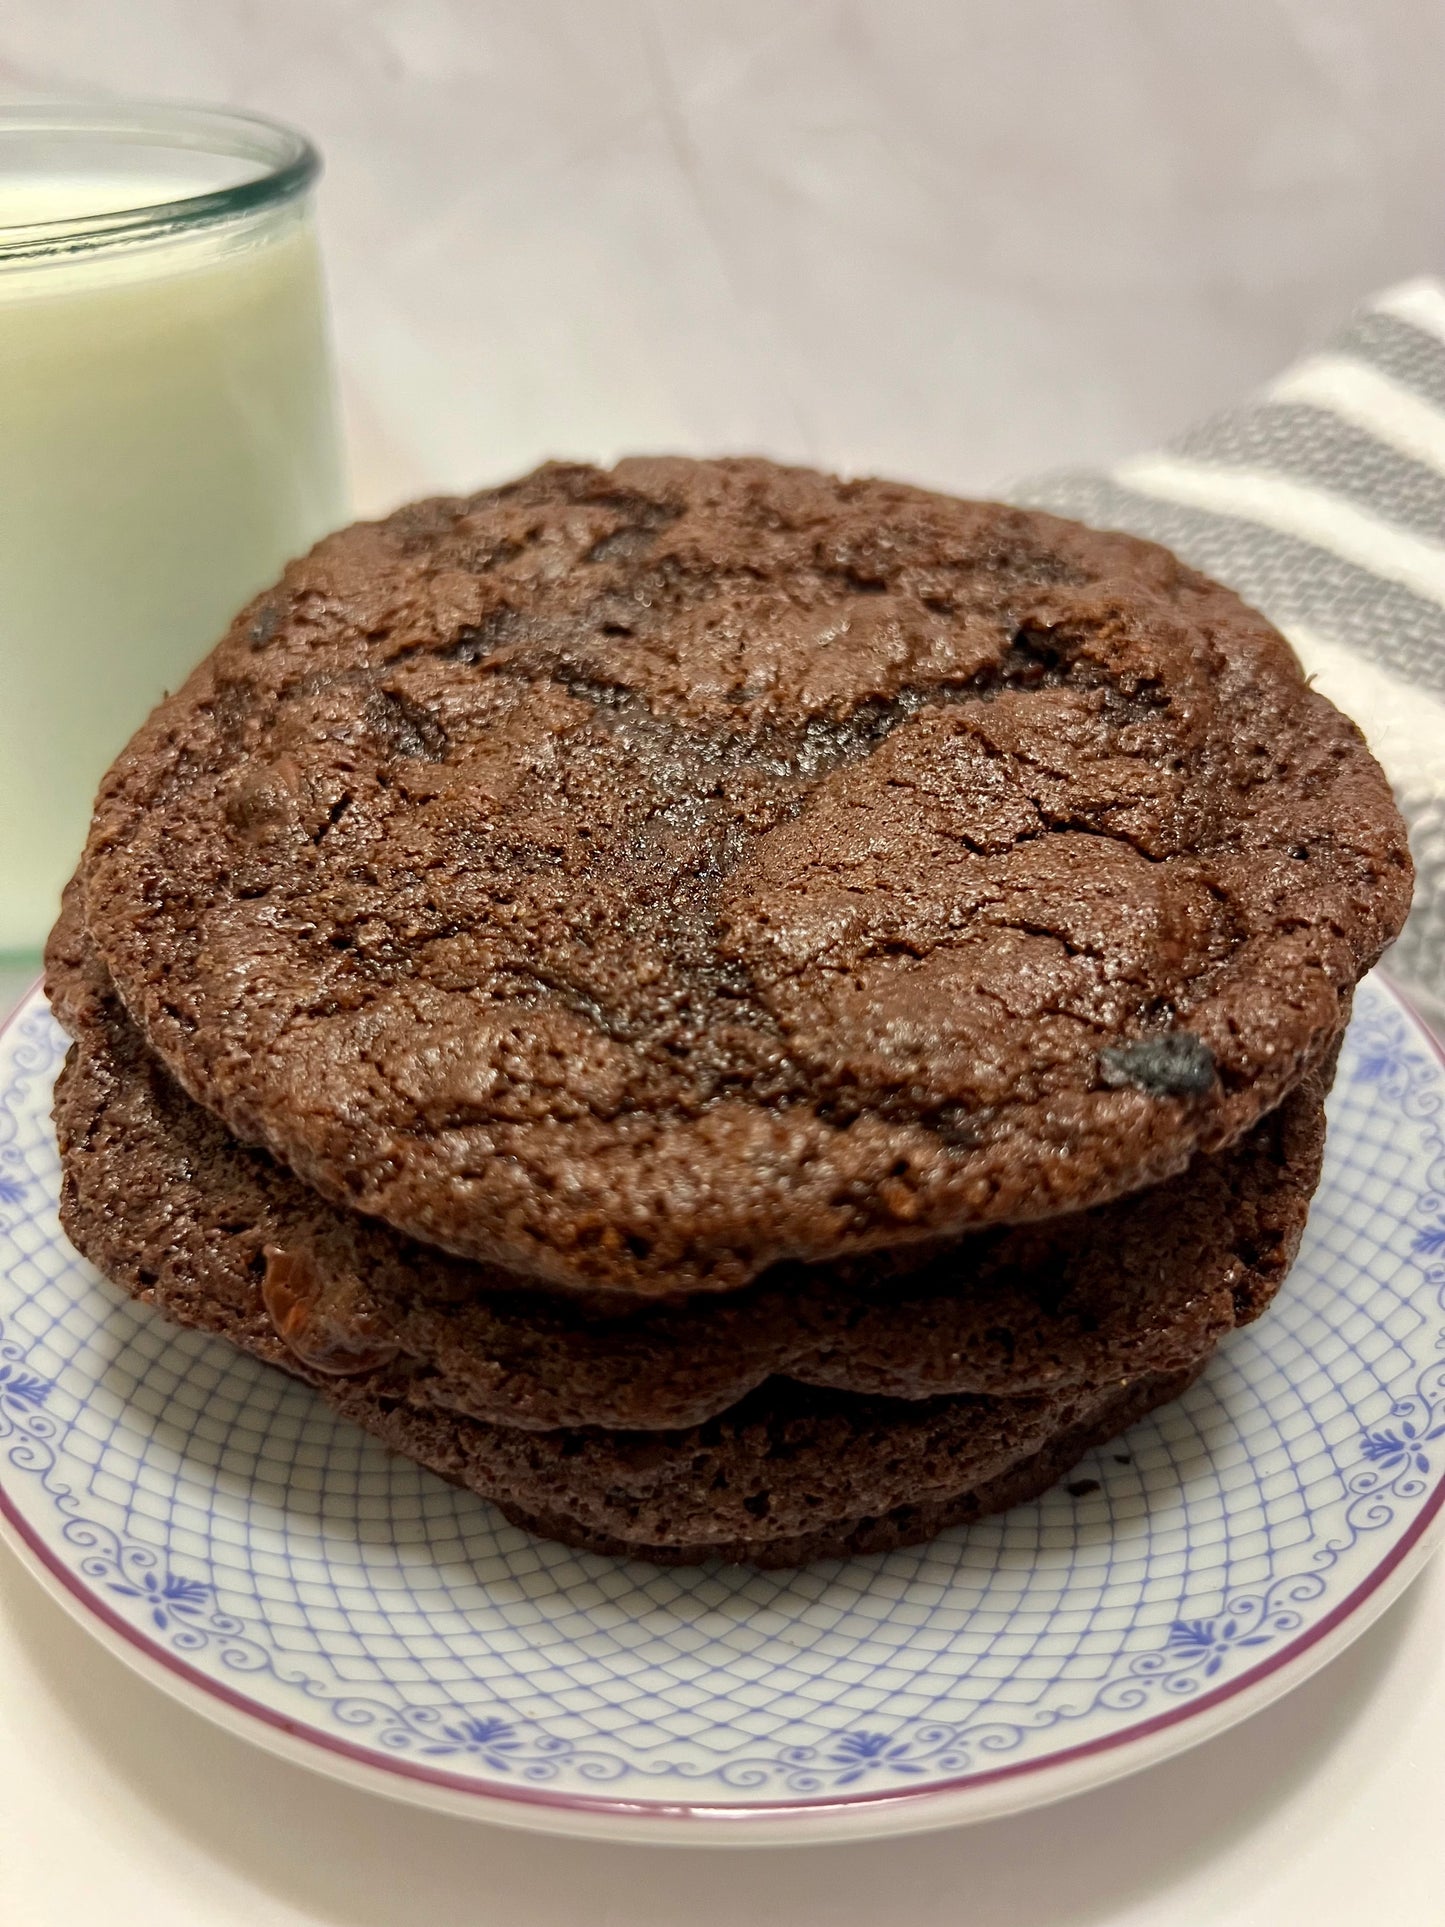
(231, 1525)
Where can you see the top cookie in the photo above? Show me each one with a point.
(637, 878)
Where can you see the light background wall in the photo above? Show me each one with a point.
(953, 239)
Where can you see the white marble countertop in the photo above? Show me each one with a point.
(957, 240)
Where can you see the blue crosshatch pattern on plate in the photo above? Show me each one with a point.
(230, 1521)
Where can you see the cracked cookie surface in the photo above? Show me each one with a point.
(641, 878)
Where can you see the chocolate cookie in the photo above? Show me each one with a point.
(640, 879)
(212, 1233)
(788, 1476)
(789, 1473)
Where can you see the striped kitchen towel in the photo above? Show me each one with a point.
(1322, 501)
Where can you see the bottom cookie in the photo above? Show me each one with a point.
(788, 1474)
(905, 1525)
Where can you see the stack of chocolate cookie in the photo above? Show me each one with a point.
(731, 1012)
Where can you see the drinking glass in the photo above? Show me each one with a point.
(168, 435)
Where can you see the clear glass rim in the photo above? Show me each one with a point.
(287, 165)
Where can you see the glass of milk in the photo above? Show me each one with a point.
(168, 435)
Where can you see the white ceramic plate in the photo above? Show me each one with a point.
(223, 1532)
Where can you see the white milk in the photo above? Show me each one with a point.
(167, 441)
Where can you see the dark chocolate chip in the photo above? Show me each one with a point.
(1177, 1064)
(1081, 1488)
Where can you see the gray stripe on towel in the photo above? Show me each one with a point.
(1399, 349)
(1306, 443)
